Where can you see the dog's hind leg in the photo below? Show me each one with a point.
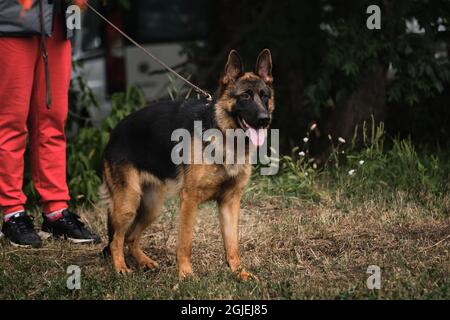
(150, 208)
(126, 200)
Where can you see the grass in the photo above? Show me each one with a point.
(304, 236)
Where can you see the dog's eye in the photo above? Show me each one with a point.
(263, 94)
(245, 96)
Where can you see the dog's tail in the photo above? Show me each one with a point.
(106, 200)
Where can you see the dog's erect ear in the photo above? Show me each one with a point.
(234, 67)
(264, 66)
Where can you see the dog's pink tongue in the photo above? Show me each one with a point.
(257, 137)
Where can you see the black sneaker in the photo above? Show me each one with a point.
(70, 227)
(19, 230)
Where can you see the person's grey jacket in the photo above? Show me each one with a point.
(14, 24)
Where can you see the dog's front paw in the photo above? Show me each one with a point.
(185, 272)
(148, 264)
(123, 269)
(244, 275)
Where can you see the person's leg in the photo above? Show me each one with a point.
(48, 142)
(47, 136)
(18, 58)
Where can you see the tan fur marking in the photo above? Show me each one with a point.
(149, 179)
(249, 76)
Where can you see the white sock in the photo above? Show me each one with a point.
(55, 215)
(8, 216)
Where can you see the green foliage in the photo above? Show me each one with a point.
(122, 105)
(419, 74)
(377, 174)
(352, 52)
(353, 175)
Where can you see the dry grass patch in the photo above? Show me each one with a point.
(298, 251)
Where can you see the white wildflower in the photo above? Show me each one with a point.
(301, 154)
(313, 126)
(314, 166)
(329, 136)
(341, 140)
(305, 139)
(351, 172)
(361, 162)
(306, 174)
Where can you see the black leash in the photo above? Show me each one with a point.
(48, 96)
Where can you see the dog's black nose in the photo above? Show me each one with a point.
(263, 119)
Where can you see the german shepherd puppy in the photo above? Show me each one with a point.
(139, 173)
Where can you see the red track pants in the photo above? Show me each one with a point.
(23, 113)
